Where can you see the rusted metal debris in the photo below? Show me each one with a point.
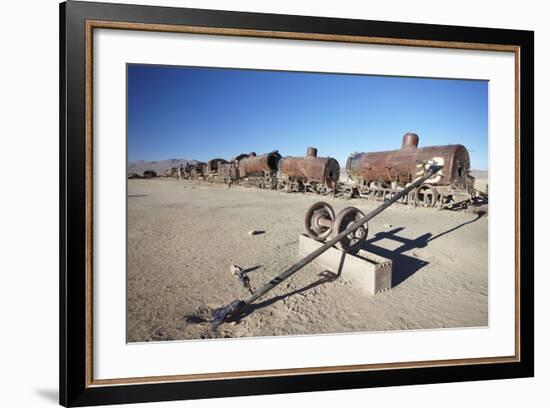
(241, 274)
(349, 232)
(322, 223)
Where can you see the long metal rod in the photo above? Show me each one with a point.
(319, 251)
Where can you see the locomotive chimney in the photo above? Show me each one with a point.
(410, 141)
(312, 152)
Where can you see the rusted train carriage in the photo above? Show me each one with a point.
(185, 171)
(197, 171)
(379, 174)
(235, 164)
(309, 173)
(192, 171)
(218, 170)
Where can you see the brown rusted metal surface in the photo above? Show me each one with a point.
(410, 141)
(402, 165)
(198, 170)
(310, 169)
(312, 152)
(212, 165)
(235, 164)
(265, 164)
(241, 156)
(224, 170)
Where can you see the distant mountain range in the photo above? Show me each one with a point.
(157, 166)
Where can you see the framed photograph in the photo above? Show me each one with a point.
(256, 204)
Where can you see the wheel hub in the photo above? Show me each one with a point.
(361, 233)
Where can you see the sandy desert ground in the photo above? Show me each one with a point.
(184, 236)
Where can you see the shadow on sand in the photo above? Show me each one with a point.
(404, 266)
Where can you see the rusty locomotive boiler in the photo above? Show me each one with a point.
(258, 171)
(213, 165)
(194, 171)
(247, 169)
(309, 173)
(380, 175)
(218, 171)
(235, 164)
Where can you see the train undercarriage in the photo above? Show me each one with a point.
(427, 195)
(293, 185)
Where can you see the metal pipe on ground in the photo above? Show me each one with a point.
(236, 307)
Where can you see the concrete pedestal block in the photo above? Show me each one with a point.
(369, 271)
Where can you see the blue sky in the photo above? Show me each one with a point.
(201, 113)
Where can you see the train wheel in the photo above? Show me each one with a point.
(345, 218)
(426, 196)
(316, 212)
(347, 195)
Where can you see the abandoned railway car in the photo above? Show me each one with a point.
(258, 171)
(379, 174)
(371, 175)
(194, 171)
(309, 173)
(218, 170)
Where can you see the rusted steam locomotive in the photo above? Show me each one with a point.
(310, 173)
(271, 171)
(218, 170)
(192, 171)
(258, 171)
(195, 171)
(374, 175)
(381, 174)
(247, 169)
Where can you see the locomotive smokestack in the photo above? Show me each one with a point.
(410, 141)
(312, 152)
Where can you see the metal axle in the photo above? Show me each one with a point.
(238, 306)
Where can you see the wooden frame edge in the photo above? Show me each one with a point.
(231, 375)
(89, 205)
(104, 24)
(289, 35)
(517, 196)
